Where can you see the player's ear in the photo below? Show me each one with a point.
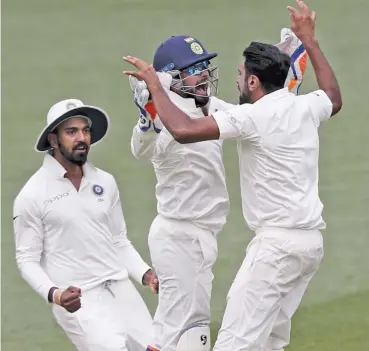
(53, 140)
(253, 82)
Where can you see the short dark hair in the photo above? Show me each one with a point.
(268, 63)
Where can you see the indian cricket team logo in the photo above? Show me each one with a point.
(97, 190)
(196, 48)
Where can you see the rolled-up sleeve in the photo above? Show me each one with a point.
(29, 234)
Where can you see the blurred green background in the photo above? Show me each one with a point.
(52, 50)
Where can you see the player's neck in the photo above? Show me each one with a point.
(73, 171)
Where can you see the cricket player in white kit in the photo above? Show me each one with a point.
(192, 198)
(278, 146)
(71, 238)
(191, 190)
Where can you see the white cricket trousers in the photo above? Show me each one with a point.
(182, 255)
(113, 317)
(268, 289)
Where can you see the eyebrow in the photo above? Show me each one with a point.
(74, 128)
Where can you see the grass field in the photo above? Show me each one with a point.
(53, 49)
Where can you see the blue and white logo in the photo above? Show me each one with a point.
(98, 190)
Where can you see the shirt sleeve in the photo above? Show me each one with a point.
(320, 105)
(236, 123)
(143, 144)
(217, 104)
(132, 260)
(29, 234)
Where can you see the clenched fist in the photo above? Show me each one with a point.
(70, 298)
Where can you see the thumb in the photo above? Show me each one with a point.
(74, 290)
(137, 75)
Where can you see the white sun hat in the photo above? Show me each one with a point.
(65, 109)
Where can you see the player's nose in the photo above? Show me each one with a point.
(204, 74)
(81, 136)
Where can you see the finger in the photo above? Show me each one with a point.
(292, 11)
(135, 61)
(304, 8)
(313, 16)
(73, 308)
(73, 305)
(130, 59)
(133, 73)
(300, 4)
(70, 297)
(73, 288)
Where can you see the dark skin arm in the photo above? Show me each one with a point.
(181, 126)
(303, 25)
(185, 130)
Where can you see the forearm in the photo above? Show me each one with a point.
(36, 277)
(324, 73)
(133, 261)
(175, 120)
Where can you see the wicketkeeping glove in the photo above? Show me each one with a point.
(148, 120)
(292, 46)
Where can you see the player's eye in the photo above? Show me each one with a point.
(198, 68)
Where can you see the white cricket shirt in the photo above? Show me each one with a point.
(191, 181)
(278, 147)
(67, 237)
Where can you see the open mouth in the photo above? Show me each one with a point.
(202, 89)
(80, 148)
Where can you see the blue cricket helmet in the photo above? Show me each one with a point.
(180, 52)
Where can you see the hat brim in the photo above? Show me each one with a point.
(200, 58)
(100, 123)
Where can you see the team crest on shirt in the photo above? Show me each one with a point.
(98, 190)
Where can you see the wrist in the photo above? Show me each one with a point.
(155, 88)
(55, 295)
(309, 42)
(51, 293)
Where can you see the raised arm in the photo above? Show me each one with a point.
(148, 127)
(303, 25)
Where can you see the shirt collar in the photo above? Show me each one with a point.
(54, 167)
(273, 96)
